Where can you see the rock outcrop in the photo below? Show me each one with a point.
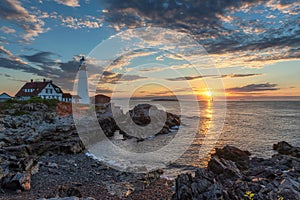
(232, 175)
(287, 149)
(144, 114)
(41, 131)
(27, 136)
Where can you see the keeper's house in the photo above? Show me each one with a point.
(44, 89)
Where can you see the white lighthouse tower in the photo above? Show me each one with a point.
(82, 88)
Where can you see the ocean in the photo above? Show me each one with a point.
(249, 125)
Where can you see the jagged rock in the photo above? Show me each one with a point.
(265, 178)
(241, 158)
(19, 181)
(19, 151)
(29, 164)
(109, 126)
(144, 114)
(289, 189)
(183, 187)
(287, 149)
(226, 167)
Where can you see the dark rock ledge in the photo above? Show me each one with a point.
(231, 175)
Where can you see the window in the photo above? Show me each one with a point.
(50, 91)
(46, 91)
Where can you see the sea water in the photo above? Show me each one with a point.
(249, 125)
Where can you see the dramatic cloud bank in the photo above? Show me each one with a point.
(254, 88)
(225, 28)
(13, 11)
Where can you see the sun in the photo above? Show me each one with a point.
(208, 94)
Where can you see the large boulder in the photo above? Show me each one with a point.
(142, 115)
(287, 149)
(241, 158)
(226, 167)
(109, 126)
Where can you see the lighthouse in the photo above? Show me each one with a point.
(82, 88)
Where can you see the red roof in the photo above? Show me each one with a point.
(37, 86)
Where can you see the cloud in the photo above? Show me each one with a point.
(215, 76)
(86, 22)
(43, 64)
(71, 3)
(7, 30)
(186, 78)
(11, 56)
(228, 28)
(116, 78)
(254, 88)
(42, 58)
(12, 10)
(126, 59)
(238, 75)
(103, 90)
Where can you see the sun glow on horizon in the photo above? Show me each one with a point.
(209, 94)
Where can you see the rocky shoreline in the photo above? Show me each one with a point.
(231, 174)
(42, 157)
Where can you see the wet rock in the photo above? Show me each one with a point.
(226, 167)
(265, 178)
(241, 158)
(183, 187)
(140, 118)
(287, 149)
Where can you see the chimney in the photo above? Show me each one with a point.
(44, 80)
(31, 80)
(50, 81)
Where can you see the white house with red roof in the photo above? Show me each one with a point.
(44, 89)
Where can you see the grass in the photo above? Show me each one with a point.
(16, 104)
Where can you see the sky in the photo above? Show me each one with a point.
(144, 48)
